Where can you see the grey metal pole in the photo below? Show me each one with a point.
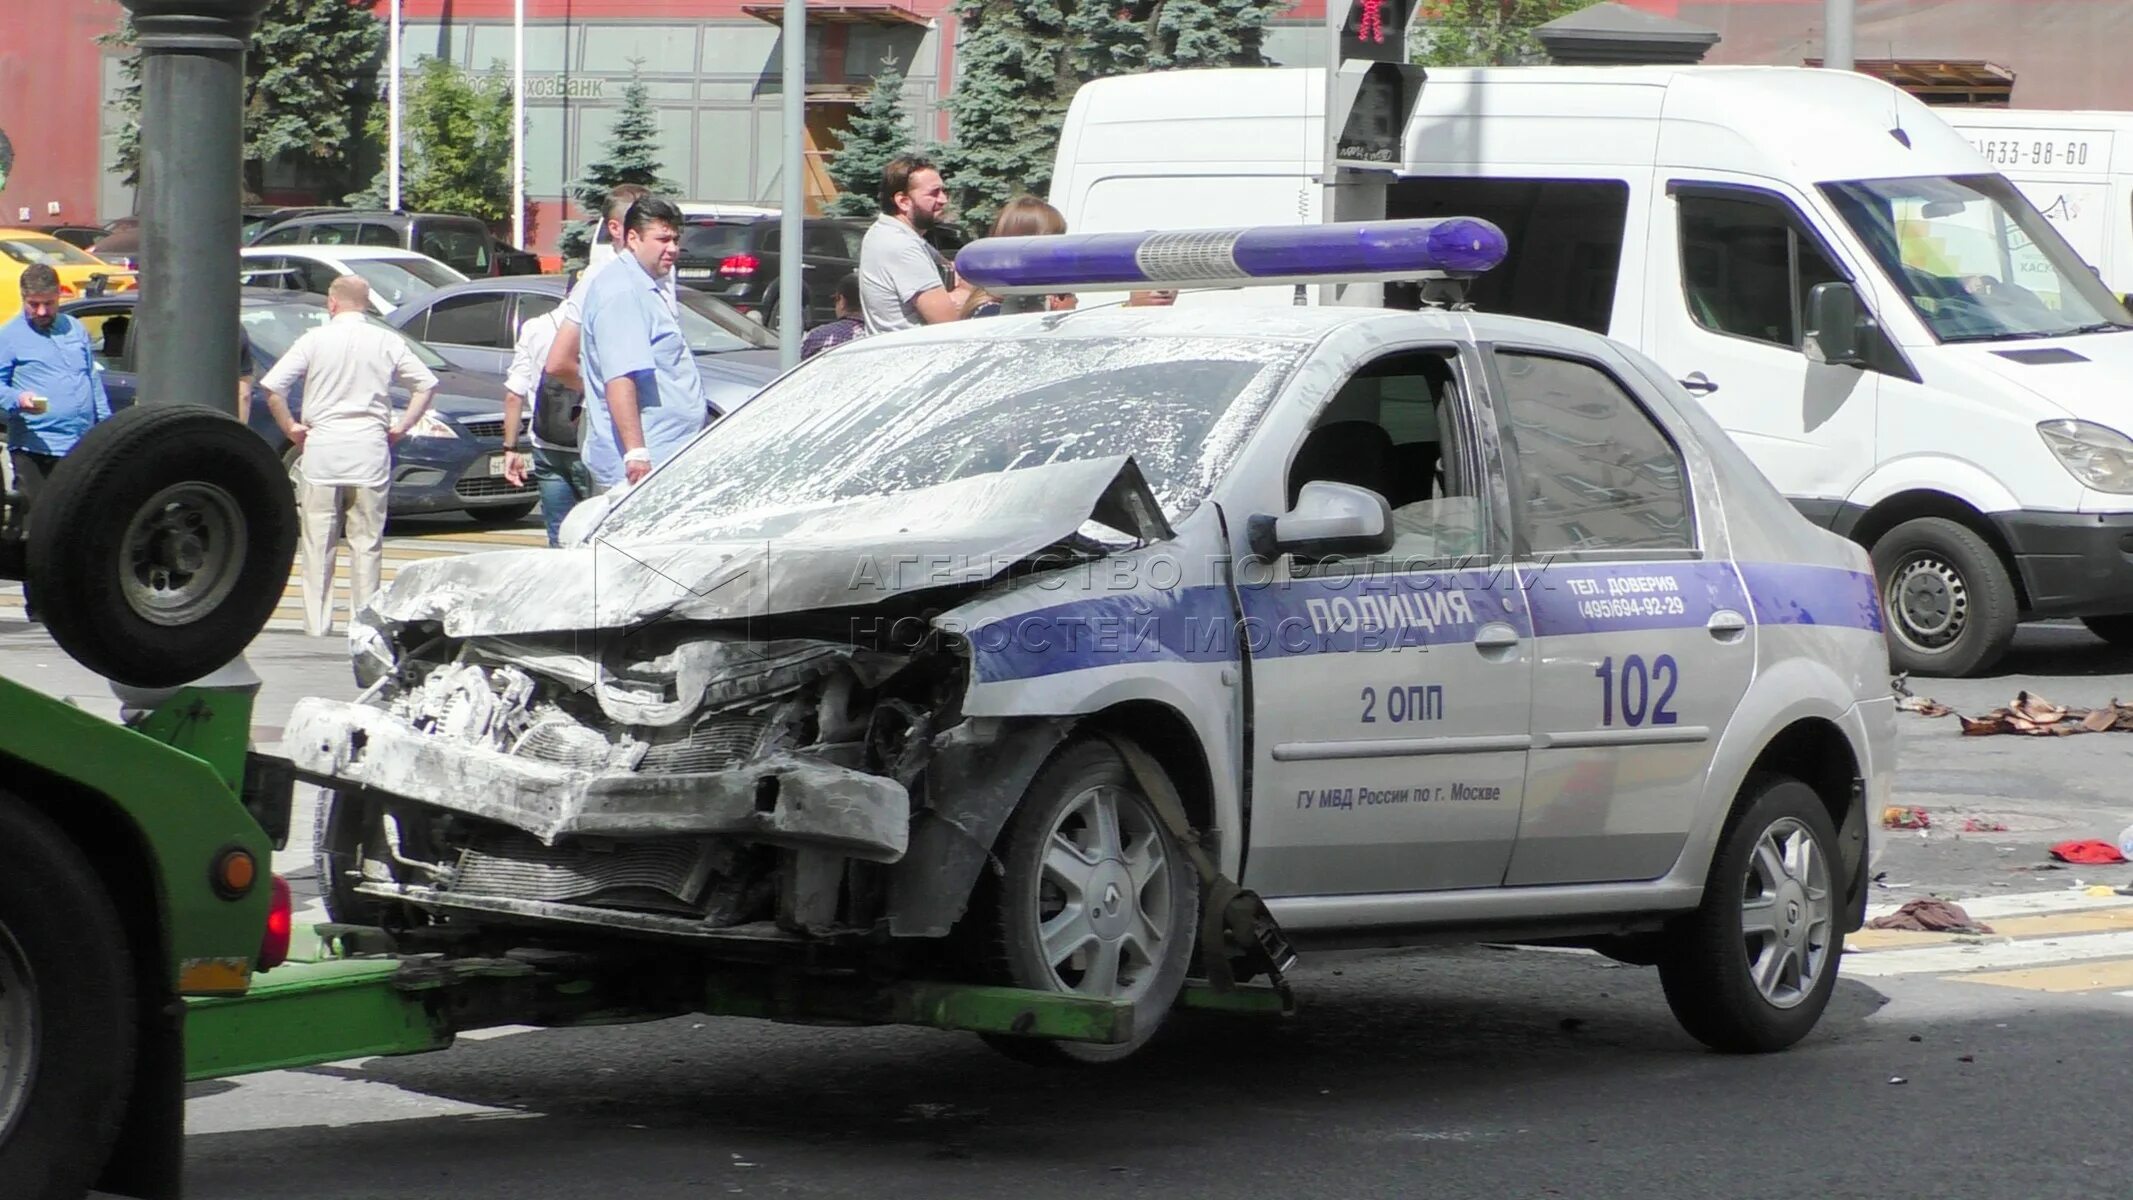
(794, 209)
(192, 146)
(1837, 34)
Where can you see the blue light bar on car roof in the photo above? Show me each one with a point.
(1346, 252)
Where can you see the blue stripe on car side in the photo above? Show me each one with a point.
(1356, 614)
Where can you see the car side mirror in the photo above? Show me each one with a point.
(1329, 519)
(1833, 325)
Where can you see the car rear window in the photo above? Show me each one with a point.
(714, 239)
(33, 249)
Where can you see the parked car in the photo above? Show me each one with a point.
(475, 325)
(80, 273)
(121, 244)
(452, 461)
(736, 259)
(395, 276)
(463, 243)
(79, 236)
(258, 218)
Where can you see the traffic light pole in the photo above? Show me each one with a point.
(192, 157)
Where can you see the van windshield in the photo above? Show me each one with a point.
(1975, 259)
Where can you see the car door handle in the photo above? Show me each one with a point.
(1726, 625)
(1699, 383)
(1495, 637)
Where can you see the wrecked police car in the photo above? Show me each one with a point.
(1002, 649)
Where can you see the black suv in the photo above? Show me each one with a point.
(736, 259)
(462, 243)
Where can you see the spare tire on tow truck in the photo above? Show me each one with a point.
(161, 545)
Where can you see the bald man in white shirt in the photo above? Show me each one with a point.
(347, 367)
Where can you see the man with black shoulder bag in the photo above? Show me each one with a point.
(558, 470)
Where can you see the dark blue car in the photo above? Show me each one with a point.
(452, 461)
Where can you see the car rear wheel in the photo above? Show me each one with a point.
(1751, 970)
(1950, 602)
(67, 1016)
(1095, 898)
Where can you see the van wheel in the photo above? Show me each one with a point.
(1948, 599)
(67, 1016)
(1752, 969)
(1095, 898)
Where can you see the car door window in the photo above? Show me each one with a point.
(531, 305)
(375, 233)
(269, 271)
(1746, 268)
(821, 242)
(460, 248)
(1397, 428)
(110, 336)
(331, 233)
(287, 235)
(1592, 472)
(314, 276)
(468, 321)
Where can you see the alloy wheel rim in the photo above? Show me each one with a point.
(1105, 896)
(1788, 913)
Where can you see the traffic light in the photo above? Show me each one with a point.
(1371, 86)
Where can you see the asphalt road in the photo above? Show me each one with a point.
(1947, 1067)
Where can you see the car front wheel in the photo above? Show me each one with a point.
(1095, 898)
(1751, 970)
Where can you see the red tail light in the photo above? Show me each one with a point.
(281, 919)
(736, 265)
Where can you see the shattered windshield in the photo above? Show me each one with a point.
(875, 421)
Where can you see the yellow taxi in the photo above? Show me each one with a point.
(80, 273)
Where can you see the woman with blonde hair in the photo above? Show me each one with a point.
(1023, 216)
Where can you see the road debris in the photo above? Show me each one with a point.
(2030, 714)
(1903, 816)
(2088, 852)
(1930, 916)
(1983, 825)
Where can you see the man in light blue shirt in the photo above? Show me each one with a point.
(50, 391)
(643, 397)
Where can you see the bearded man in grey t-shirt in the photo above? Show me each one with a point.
(903, 281)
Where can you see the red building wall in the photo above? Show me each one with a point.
(51, 93)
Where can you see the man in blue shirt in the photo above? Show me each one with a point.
(643, 397)
(50, 389)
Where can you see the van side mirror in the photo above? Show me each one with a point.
(1833, 325)
(1329, 519)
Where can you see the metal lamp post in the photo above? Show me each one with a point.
(192, 156)
(795, 206)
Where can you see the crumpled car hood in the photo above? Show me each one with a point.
(843, 555)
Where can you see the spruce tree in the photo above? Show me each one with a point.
(455, 145)
(1009, 102)
(878, 133)
(1210, 33)
(632, 156)
(310, 72)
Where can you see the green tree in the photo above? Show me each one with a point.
(1485, 33)
(1022, 60)
(631, 156)
(878, 133)
(309, 73)
(455, 144)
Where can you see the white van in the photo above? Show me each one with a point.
(2076, 167)
(1896, 336)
